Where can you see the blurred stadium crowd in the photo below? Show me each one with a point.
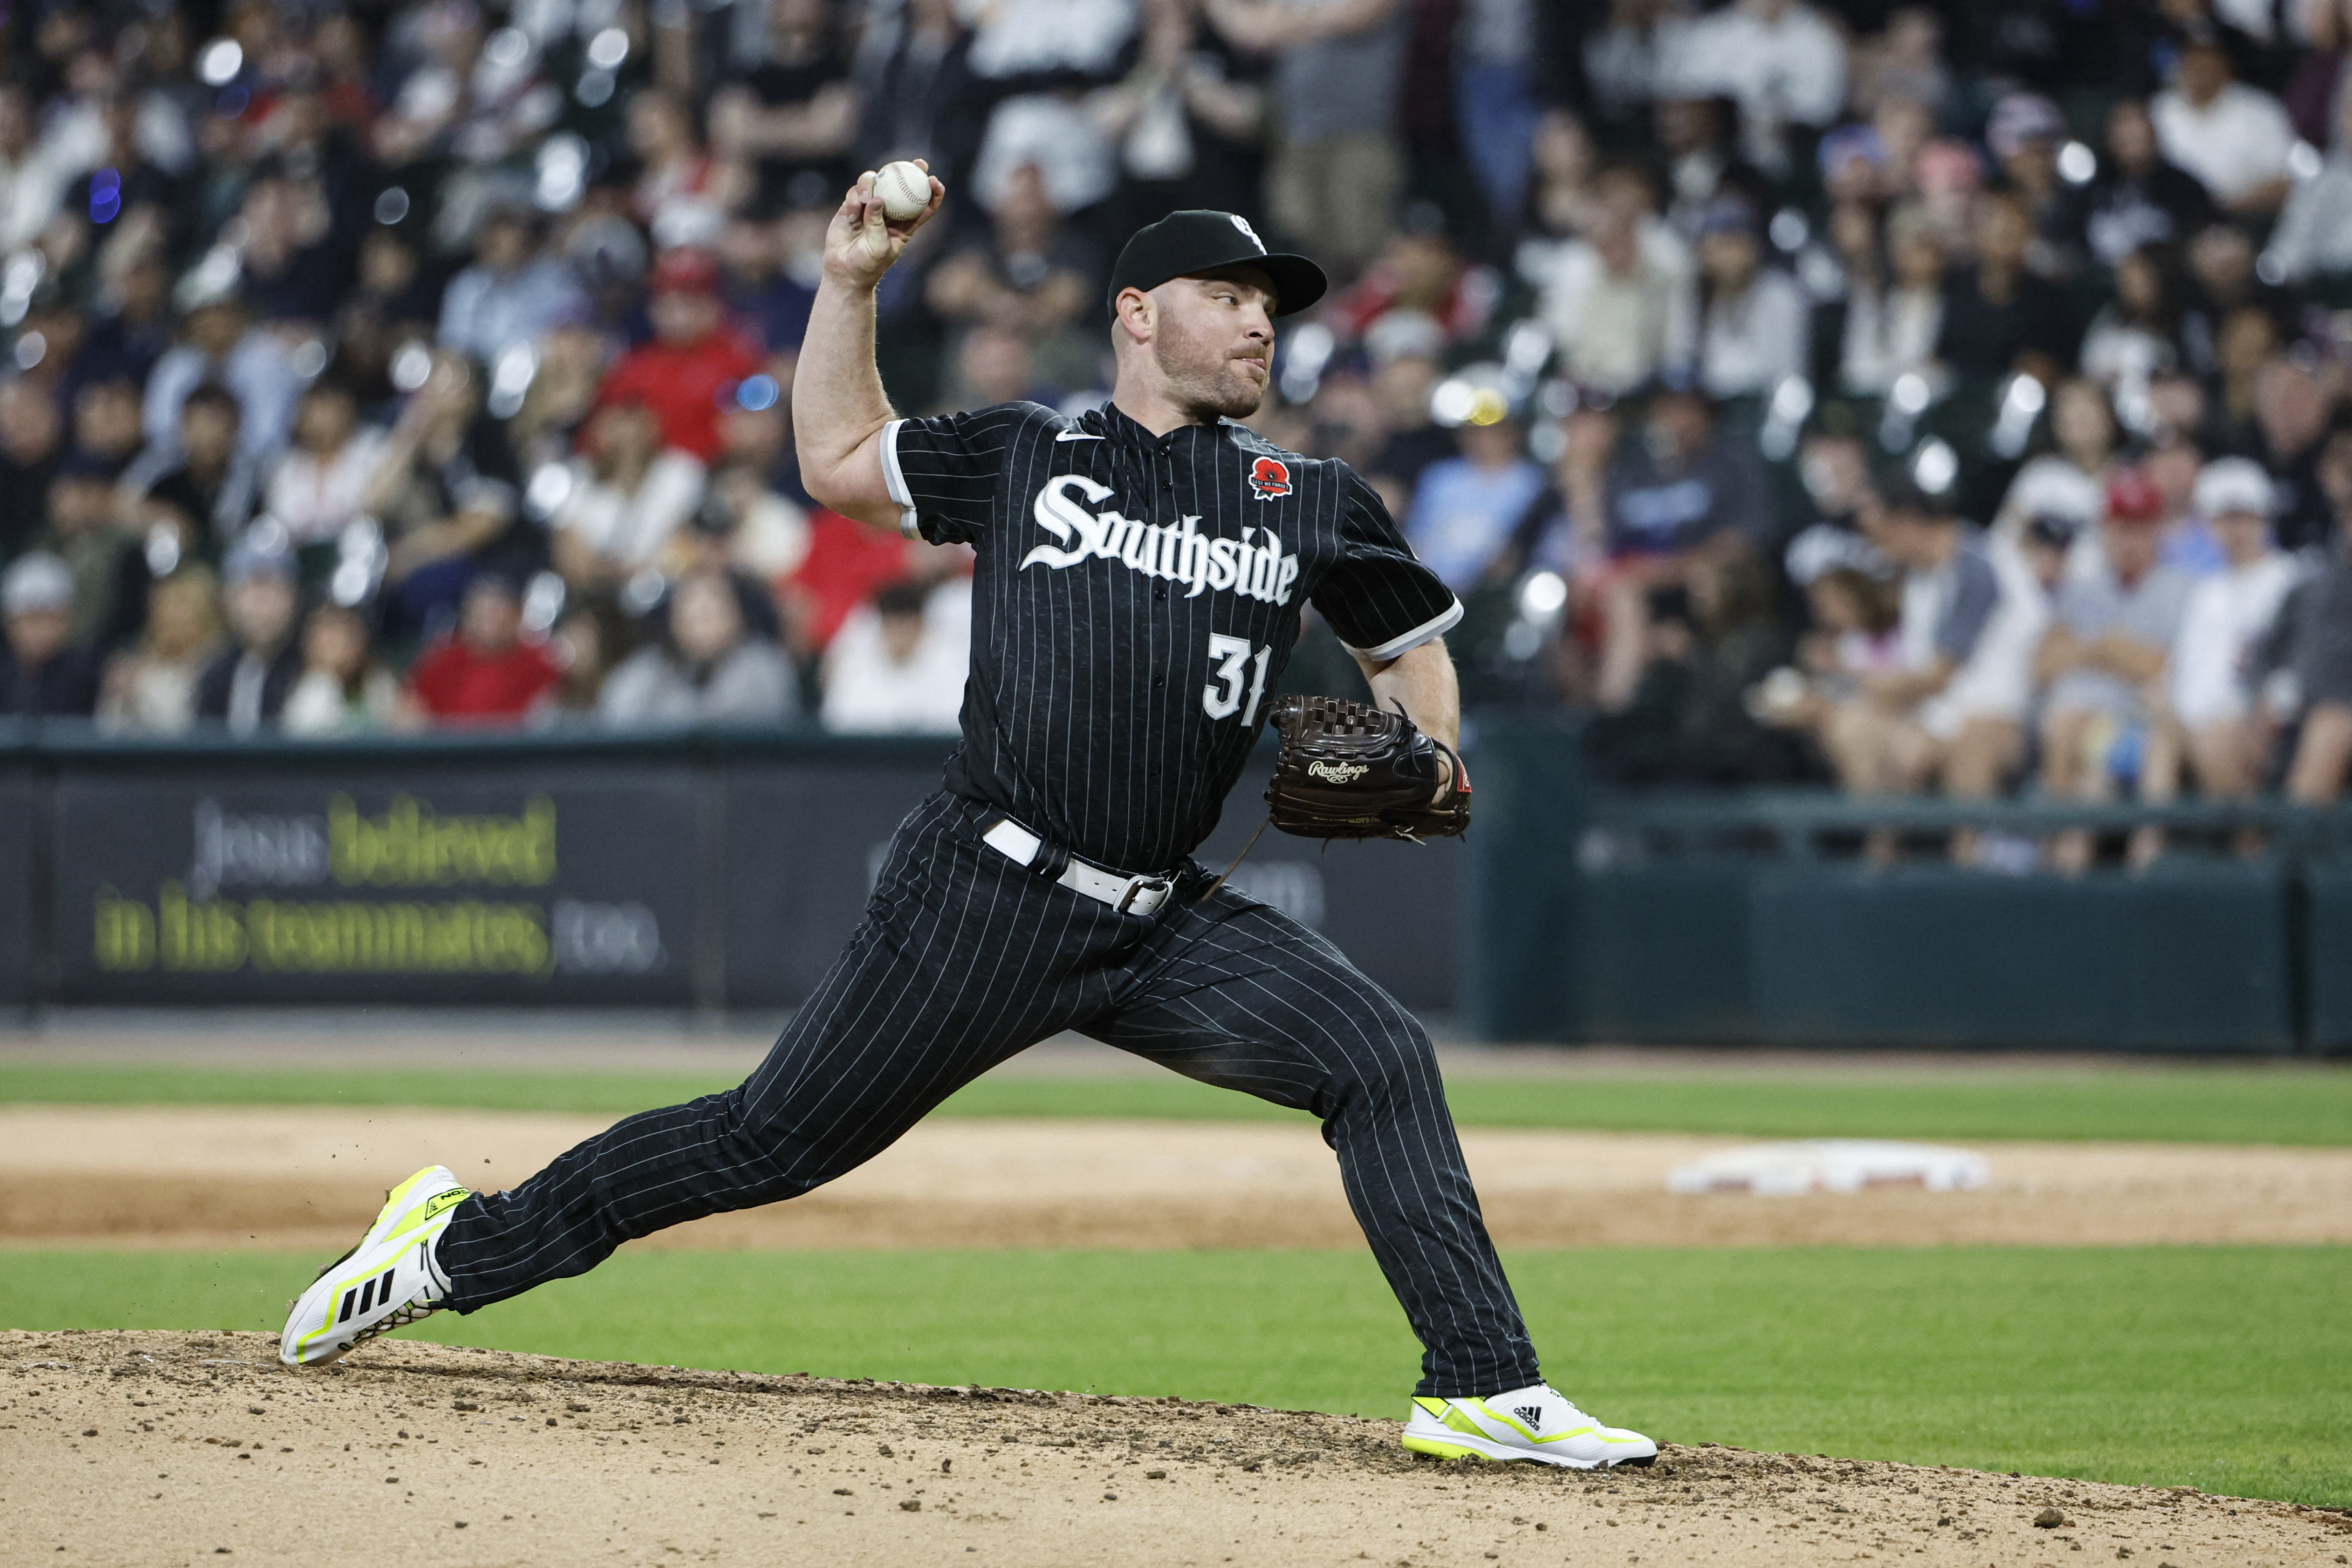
(1920, 397)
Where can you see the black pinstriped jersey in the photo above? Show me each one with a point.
(1135, 601)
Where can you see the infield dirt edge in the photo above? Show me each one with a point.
(143, 1445)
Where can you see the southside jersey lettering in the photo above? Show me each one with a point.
(1135, 600)
(1177, 551)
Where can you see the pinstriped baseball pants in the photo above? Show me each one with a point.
(964, 959)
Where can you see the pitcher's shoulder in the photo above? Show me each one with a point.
(1257, 446)
(1277, 470)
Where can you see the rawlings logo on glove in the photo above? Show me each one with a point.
(1349, 770)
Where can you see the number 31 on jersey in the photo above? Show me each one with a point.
(1233, 657)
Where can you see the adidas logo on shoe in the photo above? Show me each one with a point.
(365, 1297)
(1531, 1414)
(389, 1281)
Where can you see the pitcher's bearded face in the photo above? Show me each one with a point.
(1213, 341)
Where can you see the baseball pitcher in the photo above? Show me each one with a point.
(1140, 574)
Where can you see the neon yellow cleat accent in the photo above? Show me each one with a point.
(387, 1281)
(1537, 1424)
(1437, 1450)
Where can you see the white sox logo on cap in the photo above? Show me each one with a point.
(1201, 241)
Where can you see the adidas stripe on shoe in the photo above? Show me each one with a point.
(1538, 1424)
(387, 1281)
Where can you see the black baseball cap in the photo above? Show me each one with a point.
(1190, 243)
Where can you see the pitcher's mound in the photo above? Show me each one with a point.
(163, 1448)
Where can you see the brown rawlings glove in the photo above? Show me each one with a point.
(1349, 770)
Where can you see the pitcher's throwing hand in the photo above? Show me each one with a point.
(862, 240)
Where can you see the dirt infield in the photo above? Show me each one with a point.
(181, 1449)
(309, 1177)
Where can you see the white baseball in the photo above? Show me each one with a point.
(904, 191)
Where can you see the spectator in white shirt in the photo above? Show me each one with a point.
(2235, 139)
(1036, 37)
(35, 171)
(151, 688)
(2072, 481)
(1950, 714)
(1892, 318)
(1620, 304)
(2212, 730)
(343, 689)
(322, 484)
(628, 494)
(2314, 232)
(1752, 327)
(899, 664)
(1778, 59)
(757, 530)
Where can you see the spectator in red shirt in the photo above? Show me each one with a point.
(1420, 270)
(847, 561)
(694, 359)
(486, 674)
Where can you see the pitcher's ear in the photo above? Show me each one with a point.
(1135, 310)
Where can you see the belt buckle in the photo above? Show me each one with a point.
(1139, 887)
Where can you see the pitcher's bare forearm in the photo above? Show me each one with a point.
(1419, 680)
(839, 407)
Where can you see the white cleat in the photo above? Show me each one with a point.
(387, 1281)
(1538, 1424)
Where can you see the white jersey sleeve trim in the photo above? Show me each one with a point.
(1427, 631)
(894, 479)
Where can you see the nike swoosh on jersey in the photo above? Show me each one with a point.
(1076, 435)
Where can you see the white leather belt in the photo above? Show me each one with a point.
(1127, 894)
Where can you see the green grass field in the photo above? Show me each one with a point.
(2257, 1104)
(2224, 1368)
